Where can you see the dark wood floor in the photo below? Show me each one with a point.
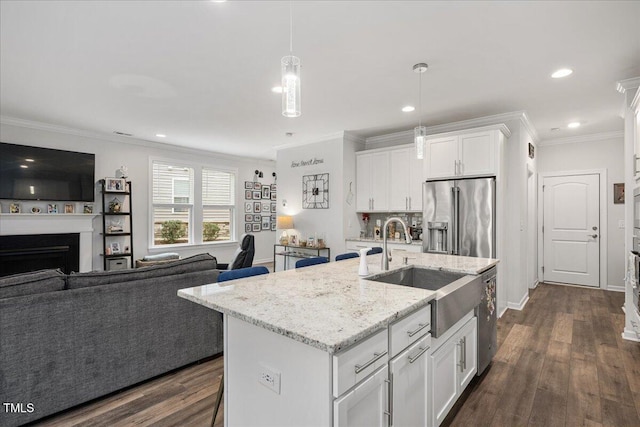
(561, 362)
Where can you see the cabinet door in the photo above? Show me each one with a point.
(365, 405)
(400, 165)
(380, 181)
(443, 393)
(416, 179)
(441, 155)
(467, 346)
(363, 182)
(477, 154)
(409, 381)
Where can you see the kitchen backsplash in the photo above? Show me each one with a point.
(413, 220)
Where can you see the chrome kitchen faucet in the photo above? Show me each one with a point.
(386, 256)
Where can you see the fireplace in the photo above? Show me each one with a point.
(22, 253)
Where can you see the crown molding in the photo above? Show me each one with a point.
(624, 85)
(406, 136)
(129, 140)
(325, 138)
(618, 134)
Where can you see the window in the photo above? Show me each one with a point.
(218, 204)
(191, 205)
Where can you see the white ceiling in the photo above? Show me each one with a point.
(202, 72)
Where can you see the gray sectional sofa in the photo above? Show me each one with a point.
(65, 340)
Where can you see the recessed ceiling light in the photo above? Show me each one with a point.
(218, 1)
(573, 125)
(289, 134)
(161, 135)
(408, 109)
(562, 72)
(29, 160)
(24, 166)
(276, 89)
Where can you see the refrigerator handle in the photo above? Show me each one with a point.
(455, 235)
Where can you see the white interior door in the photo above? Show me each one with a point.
(571, 229)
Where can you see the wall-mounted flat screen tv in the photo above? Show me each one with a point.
(34, 173)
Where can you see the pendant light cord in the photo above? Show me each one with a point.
(291, 27)
(420, 100)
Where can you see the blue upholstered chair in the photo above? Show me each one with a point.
(242, 272)
(311, 261)
(347, 255)
(376, 250)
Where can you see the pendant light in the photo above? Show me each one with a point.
(420, 132)
(291, 77)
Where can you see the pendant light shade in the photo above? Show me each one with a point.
(420, 132)
(291, 76)
(420, 138)
(291, 86)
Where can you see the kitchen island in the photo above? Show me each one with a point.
(312, 346)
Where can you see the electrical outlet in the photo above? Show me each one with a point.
(621, 223)
(269, 378)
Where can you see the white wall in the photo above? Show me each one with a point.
(309, 221)
(596, 154)
(112, 152)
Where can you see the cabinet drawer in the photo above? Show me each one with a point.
(357, 362)
(409, 329)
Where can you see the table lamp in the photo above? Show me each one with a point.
(284, 223)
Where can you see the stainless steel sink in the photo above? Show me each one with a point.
(456, 293)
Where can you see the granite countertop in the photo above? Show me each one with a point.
(327, 306)
(379, 241)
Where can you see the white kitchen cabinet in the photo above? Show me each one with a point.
(406, 178)
(372, 182)
(409, 377)
(462, 154)
(365, 405)
(453, 365)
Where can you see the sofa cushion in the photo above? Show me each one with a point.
(35, 282)
(187, 265)
(161, 257)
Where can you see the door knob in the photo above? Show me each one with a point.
(594, 228)
(592, 235)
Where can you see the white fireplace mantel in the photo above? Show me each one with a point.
(27, 223)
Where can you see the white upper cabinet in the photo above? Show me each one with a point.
(464, 154)
(372, 181)
(407, 175)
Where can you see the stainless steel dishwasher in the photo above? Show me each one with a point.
(487, 321)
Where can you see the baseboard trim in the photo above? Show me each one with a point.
(630, 335)
(535, 284)
(504, 310)
(263, 261)
(615, 288)
(519, 306)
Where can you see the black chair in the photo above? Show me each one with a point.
(347, 255)
(376, 250)
(311, 261)
(243, 256)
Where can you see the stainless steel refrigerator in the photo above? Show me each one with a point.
(459, 219)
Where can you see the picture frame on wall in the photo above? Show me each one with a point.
(273, 187)
(248, 217)
(257, 207)
(248, 228)
(248, 194)
(273, 226)
(274, 196)
(88, 208)
(618, 193)
(266, 223)
(69, 208)
(273, 207)
(248, 207)
(248, 185)
(257, 195)
(266, 207)
(118, 185)
(256, 227)
(14, 208)
(256, 218)
(266, 192)
(257, 186)
(52, 208)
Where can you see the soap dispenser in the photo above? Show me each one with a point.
(364, 269)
